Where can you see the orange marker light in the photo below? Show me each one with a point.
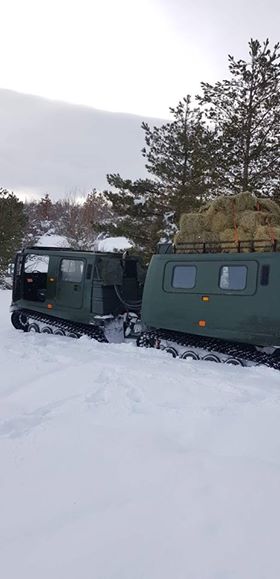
(50, 306)
(202, 323)
(205, 298)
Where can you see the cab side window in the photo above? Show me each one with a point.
(71, 270)
(233, 277)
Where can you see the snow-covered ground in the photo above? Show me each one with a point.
(118, 463)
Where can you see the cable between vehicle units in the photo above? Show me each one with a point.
(133, 305)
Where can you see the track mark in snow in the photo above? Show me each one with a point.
(23, 424)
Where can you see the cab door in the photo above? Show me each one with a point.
(70, 284)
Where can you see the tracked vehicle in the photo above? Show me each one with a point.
(220, 306)
(69, 292)
(197, 302)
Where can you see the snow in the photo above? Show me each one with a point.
(122, 463)
(106, 244)
(52, 240)
(113, 244)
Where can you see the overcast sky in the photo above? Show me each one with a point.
(136, 56)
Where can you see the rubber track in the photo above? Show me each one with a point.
(245, 352)
(81, 329)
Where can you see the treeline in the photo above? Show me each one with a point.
(79, 224)
(78, 221)
(225, 140)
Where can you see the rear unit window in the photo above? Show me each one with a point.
(183, 276)
(71, 270)
(233, 277)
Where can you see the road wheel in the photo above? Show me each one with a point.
(189, 354)
(171, 351)
(46, 330)
(59, 332)
(33, 328)
(211, 358)
(234, 362)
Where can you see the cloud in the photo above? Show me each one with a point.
(57, 148)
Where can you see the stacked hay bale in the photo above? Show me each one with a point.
(242, 217)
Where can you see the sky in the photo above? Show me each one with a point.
(133, 56)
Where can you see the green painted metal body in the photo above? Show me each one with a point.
(250, 315)
(81, 295)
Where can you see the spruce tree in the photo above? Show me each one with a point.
(245, 111)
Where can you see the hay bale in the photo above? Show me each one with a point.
(250, 220)
(179, 238)
(271, 219)
(264, 237)
(224, 204)
(267, 232)
(210, 236)
(219, 221)
(205, 207)
(229, 235)
(255, 219)
(191, 241)
(185, 239)
(270, 206)
(203, 236)
(192, 223)
(245, 201)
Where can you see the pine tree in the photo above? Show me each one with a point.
(245, 111)
(179, 161)
(12, 223)
(137, 212)
(179, 156)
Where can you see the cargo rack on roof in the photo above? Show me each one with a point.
(53, 248)
(248, 246)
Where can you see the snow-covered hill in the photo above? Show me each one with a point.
(118, 463)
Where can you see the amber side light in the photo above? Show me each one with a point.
(205, 298)
(50, 306)
(202, 323)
